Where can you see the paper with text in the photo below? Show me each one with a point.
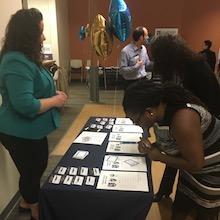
(124, 181)
(125, 137)
(127, 128)
(89, 137)
(123, 121)
(125, 163)
(120, 147)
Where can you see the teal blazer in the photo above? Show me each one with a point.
(22, 84)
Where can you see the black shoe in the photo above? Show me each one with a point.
(158, 196)
(23, 210)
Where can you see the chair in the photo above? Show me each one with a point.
(76, 68)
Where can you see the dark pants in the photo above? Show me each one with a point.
(168, 179)
(30, 157)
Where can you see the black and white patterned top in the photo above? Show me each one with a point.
(202, 186)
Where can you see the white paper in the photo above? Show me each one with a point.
(93, 126)
(102, 122)
(89, 137)
(124, 181)
(90, 180)
(123, 121)
(73, 171)
(125, 137)
(127, 128)
(96, 172)
(84, 171)
(68, 180)
(99, 127)
(80, 154)
(62, 170)
(56, 179)
(120, 147)
(78, 180)
(126, 163)
(108, 126)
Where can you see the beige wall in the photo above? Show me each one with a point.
(8, 172)
(55, 13)
(62, 13)
(8, 178)
(48, 9)
(8, 7)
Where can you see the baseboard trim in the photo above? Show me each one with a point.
(10, 207)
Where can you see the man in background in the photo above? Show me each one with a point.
(209, 54)
(134, 58)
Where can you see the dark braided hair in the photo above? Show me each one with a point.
(23, 34)
(144, 94)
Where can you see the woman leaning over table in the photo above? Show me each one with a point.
(29, 110)
(196, 152)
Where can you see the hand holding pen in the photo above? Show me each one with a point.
(145, 147)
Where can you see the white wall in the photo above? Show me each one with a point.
(8, 178)
(48, 9)
(62, 12)
(8, 173)
(8, 7)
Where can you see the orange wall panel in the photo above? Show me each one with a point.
(202, 22)
(197, 20)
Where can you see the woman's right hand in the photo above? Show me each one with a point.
(60, 99)
(145, 147)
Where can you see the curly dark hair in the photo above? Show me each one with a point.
(171, 57)
(23, 34)
(144, 94)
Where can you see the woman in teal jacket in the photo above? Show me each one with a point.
(29, 109)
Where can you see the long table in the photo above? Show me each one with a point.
(68, 202)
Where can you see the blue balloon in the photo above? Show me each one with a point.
(82, 32)
(120, 19)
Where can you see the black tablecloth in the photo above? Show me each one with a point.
(64, 202)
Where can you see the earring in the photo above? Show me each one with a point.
(151, 113)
